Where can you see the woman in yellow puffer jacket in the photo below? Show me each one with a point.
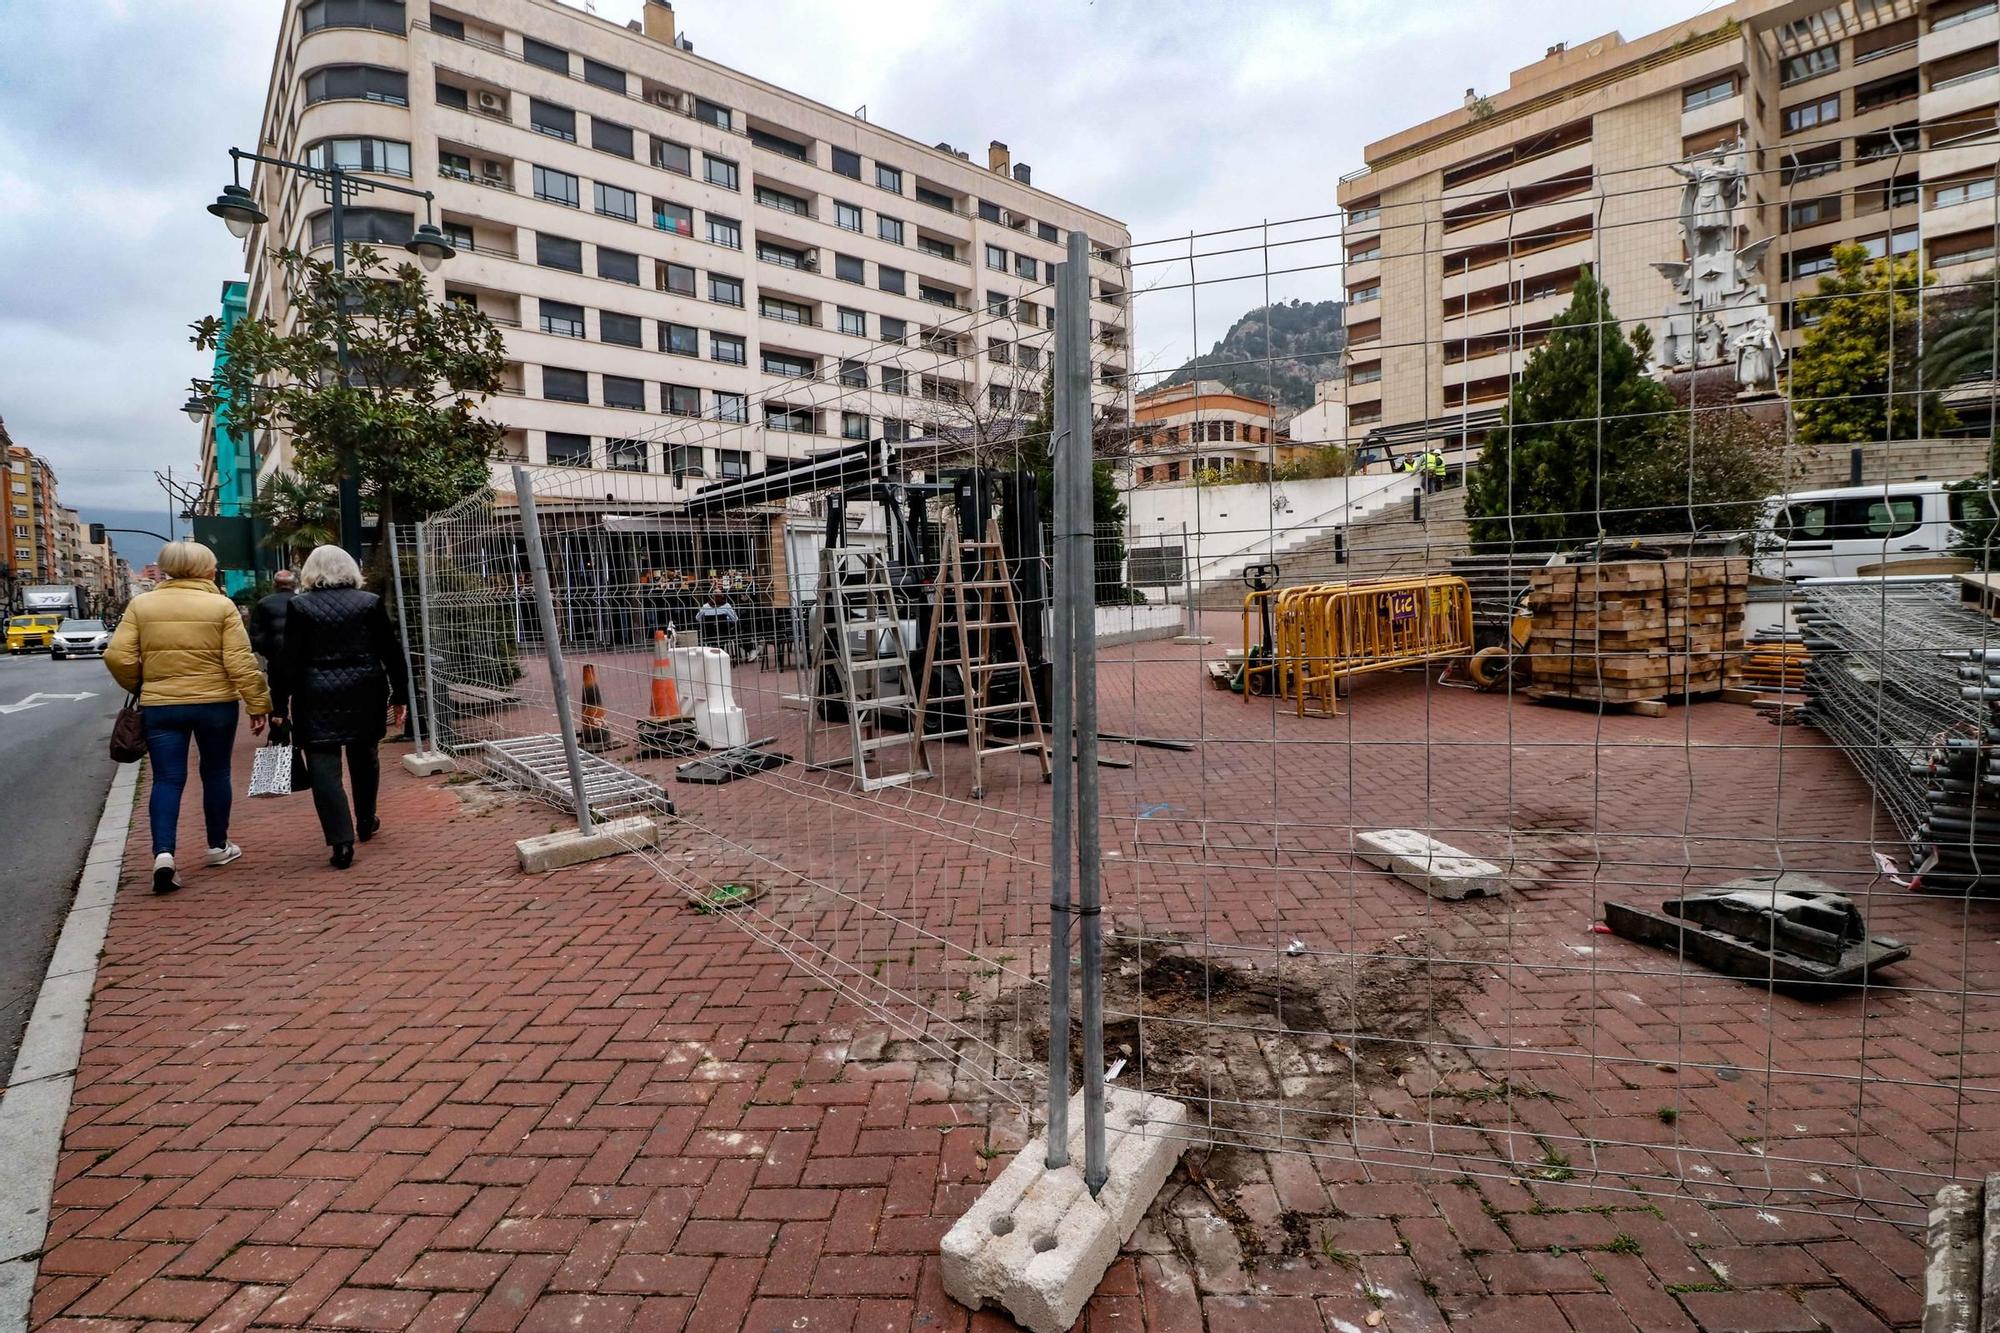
(183, 647)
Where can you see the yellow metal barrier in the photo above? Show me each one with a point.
(1325, 633)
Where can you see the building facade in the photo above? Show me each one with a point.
(34, 514)
(228, 462)
(695, 271)
(1180, 431)
(1868, 121)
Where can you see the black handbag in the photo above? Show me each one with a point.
(128, 733)
(301, 780)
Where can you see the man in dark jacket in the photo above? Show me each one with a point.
(267, 619)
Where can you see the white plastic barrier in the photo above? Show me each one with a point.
(701, 676)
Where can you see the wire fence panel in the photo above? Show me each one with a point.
(1478, 755)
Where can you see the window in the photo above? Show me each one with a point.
(888, 178)
(784, 203)
(936, 295)
(932, 246)
(460, 235)
(608, 136)
(604, 76)
(849, 269)
(558, 122)
(617, 265)
(1853, 518)
(1959, 192)
(565, 386)
(1823, 112)
(788, 420)
(725, 232)
(621, 391)
(680, 340)
(1965, 15)
(678, 279)
(731, 407)
(708, 113)
(385, 15)
(846, 217)
(682, 400)
(390, 157)
(889, 279)
(895, 430)
(889, 229)
(369, 226)
(770, 252)
(1807, 263)
(1902, 139)
(1812, 64)
(998, 352)
(788, 365)
(846, 163)
(853, 425)
(452, 95)
(854, 374)
(1024, 266)
(996, 259)
(458, 166)
(779, 144)
(545, 55)
(558, 187)
(727, 348)
(1371, 292)
(1028, 356)
(853, 322)
(369, 83)
(567, 450)
(1047, 231)
(718, 171)
(674, 157)
(791, 312)
(673, 217)
(561, 318)
(1883, 92)
(998, 395)
(895, 381)
(989, 211)
(732, 463)
(891, 330)
(1367, 374)
(1809, 163)
(613, 202)
(685, 460)
(1808, 212)
(447, 27)
(935, 198)
(628, 455)
(625, 330)
(725, 291)
(997, 303)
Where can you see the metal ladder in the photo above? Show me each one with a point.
(981, 616)
(872, 689)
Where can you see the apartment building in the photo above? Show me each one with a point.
(1870, 121)
(34, 545)
(696, 271)
(1180, 431)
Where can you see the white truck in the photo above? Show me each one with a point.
(52, 599)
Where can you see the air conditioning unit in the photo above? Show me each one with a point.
(666, 98)
(810, 261)
(493, 171)
(490, 102)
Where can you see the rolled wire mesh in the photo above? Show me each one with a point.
(1307, 1005)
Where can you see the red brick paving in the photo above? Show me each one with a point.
(430, 1093)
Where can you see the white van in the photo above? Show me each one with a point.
(1841, 533)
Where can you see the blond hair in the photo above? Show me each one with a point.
(187, 560)
(329, 567)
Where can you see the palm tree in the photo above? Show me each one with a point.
(1962, 343)
(296, 515)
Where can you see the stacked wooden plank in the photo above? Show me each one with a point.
(1640, 629)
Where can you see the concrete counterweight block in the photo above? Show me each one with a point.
(1437, 868)
(1035, 1243)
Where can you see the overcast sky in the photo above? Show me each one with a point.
(1173, 115)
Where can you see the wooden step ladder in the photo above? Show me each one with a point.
(868, 684)
(975, 617)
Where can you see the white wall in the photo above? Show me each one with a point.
(1230, 527)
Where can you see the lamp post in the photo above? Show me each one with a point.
(239, 211)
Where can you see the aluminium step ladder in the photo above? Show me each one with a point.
(861, 673)
(976, 635)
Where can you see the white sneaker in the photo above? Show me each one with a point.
(165, 878)
(223, 855)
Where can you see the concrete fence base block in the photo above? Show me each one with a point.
(1035, 1243)
(553, 851)
(1952, 1267)
(1437, 868)
(1199, 640)
(427, 764)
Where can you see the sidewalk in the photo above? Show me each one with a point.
(430, 1093)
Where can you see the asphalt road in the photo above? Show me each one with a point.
(54, 771)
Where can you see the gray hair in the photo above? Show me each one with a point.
(329, 567)
(187, 560)
(284, 578)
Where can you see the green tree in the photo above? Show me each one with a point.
(296, 515)
(408, 407)
(1963, 342)
(1862, 345)
(1107, 508)
(1583, 409)
(1975, 530)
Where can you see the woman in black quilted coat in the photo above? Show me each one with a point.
(335, 682)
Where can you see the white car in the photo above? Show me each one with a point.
(1857, 531)
(80, 638)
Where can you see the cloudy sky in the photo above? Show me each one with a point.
(1174, 115)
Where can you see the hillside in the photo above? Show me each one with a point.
(1277, 350)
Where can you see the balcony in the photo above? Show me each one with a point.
(1956, 34)
(1963, 93)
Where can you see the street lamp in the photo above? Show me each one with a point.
(238, 209)
(195, 408)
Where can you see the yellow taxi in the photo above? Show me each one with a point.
(26, 634)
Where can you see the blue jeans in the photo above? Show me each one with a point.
(169, 729)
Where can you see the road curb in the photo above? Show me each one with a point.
(36, 1102)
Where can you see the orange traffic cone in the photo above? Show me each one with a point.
(666, 699)
(593, 734)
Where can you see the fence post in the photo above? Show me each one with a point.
(424, 620)
(1062, 760)
(1074, 472)
(403, 630)
(1187, 585)
(545, 607)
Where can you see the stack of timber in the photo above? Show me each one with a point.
(1906, 682)
(1633, 630)
(1774, 664)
